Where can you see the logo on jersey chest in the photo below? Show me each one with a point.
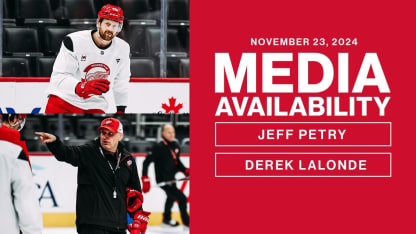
(83, 58)
(96, 71)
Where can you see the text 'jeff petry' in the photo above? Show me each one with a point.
(301, 84)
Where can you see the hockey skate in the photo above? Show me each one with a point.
(170, 224)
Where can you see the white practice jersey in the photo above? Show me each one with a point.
(88, 62)
(19, 202)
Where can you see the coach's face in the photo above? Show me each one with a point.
(108, 29)
(109, 140)
(168, 132)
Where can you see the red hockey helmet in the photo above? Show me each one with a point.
(111, 12)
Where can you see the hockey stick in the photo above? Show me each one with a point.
(171, 181)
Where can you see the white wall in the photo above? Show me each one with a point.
(145, 95)
(62, 180)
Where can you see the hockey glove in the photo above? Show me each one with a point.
(90, 88)
(146, 184)
(139, 225)
(134, 200)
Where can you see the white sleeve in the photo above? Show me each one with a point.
(64, 70)
(121, 81)
(25, 199)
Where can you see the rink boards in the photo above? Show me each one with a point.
(146, 95)
(57, 183)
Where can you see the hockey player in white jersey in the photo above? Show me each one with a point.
(20, 212)
(90, 65)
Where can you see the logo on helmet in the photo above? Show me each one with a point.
(111, 12)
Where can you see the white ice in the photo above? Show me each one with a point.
(150, 230)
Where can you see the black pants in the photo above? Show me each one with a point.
(174, 194)
(96, 230)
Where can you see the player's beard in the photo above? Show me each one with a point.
(107, 35)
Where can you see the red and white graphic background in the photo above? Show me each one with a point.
(303, 204)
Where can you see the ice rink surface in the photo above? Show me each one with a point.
(150, 230)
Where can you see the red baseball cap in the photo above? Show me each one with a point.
(111, 124)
